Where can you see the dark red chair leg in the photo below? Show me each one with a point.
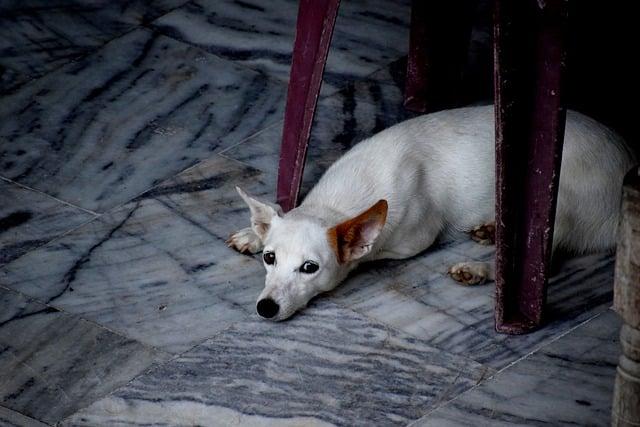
(314, 27)
(439, 42)
(529, 49)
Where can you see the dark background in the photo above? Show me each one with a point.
(602, 79)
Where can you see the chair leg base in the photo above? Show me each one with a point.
(529, 49)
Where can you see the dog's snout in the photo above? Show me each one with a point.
(267, 308)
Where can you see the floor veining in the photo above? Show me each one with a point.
(124, 129)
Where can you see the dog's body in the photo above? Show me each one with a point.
(436, 173)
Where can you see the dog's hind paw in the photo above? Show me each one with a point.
(470, 273)
(484, 234)
(245, 241)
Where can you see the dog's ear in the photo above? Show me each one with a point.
(354, 238)
(262, 213)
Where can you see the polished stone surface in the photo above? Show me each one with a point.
(157, 269)
(29, 219)
(419, 298)
(37, 37)
(569, 382)
(329, 365)
(150, 114)
(9, 418)
(53, 364)
(100, 131)
(369, 34)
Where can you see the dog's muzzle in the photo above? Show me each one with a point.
(267, 308)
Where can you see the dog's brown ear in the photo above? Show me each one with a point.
(354, 238)
(261, 213)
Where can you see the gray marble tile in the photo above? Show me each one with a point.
(29, 219)
(39, 36)
(53, 364)
(368, 35)
(419, 298)
(329, 366)
(9, 418)
(10, 79)
(157, 269)
(100, 131)
(36, 41)
(569, 382)
(355, 113)
(131, 11)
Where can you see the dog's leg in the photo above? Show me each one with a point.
(484, 234)
(472, 273)
(245, 241)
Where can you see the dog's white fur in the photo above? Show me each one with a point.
(436, 173)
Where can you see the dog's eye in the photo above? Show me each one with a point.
(309, 267)
(269, 257)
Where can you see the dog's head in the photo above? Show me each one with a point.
(304, 256)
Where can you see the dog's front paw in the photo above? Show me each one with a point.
(245, 241)
(484, 234)
(470, 273)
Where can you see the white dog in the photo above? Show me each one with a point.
(392, 195)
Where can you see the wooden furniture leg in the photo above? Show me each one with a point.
(314, 28)
(529, 55)
(626, 395)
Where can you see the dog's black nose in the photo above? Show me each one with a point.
(267, 308)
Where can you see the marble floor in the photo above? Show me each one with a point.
(124, 128)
